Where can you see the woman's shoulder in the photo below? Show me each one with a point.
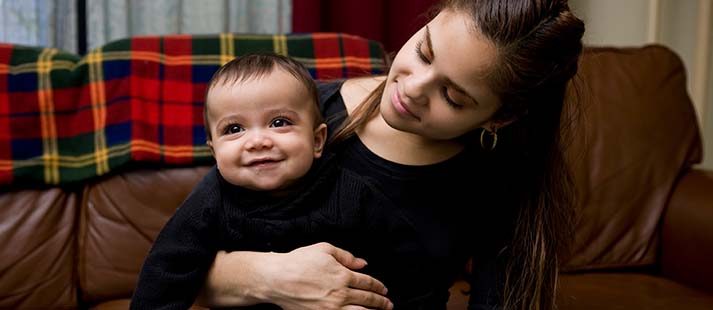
(355, 90)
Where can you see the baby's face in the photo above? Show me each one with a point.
(263, 131)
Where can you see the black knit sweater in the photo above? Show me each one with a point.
(326, 205)
(416, 231)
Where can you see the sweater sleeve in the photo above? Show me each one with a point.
(176, 266)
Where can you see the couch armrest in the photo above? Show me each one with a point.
(687, 232)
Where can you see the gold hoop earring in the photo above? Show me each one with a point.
(493, 134)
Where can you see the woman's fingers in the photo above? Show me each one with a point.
(343, 257)
(357, 280)
(327, 280)
(356, 299)
(366, 283)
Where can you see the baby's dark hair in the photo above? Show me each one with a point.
(256, 65)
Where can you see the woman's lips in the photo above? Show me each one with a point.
(400, 106)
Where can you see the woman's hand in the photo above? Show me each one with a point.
(319, 276)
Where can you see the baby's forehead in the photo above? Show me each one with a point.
(259, 94)
(239, 77)
(257, 90)
(277, 84)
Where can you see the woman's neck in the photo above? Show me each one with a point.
(403, 147)
(389, 143)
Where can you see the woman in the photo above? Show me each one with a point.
(475, 95)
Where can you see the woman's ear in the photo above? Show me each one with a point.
(320, 138)
(494, 125)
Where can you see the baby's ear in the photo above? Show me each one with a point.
(320, 138)
(210, 146)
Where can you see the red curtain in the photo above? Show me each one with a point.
(391, 22)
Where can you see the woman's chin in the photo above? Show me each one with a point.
(391, 117)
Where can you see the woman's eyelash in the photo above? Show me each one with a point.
(449, 100)
(420, 53)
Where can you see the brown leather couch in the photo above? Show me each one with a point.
(644, 234)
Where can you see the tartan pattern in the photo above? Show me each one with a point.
(65, 119)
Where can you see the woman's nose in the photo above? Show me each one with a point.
(258, 140)
(416, 88)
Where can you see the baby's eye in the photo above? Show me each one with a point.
(280, 122)
(233, 129)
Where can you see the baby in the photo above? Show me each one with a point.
(273, 188)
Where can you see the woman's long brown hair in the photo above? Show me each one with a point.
(539, 44)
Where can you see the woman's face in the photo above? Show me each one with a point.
(437, 86)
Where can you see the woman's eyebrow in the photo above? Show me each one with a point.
(428, 42)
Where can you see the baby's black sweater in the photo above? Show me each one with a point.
(326, 205)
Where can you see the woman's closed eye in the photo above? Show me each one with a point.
(444, 91)
(421, 55)
(449, 100)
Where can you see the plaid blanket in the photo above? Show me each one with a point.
(65, 118)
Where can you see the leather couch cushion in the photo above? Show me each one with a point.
(627, 291)
(687, 232)
(37, 238)
(598, 291)
(122, 216)
(123, 304)
(641, 132)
